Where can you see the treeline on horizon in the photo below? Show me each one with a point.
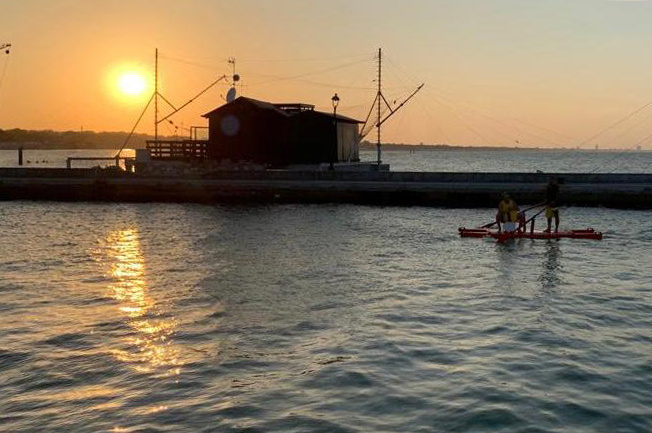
(367, 145)
(47, 139)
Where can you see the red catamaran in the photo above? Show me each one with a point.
(503, 236)
(525, 230)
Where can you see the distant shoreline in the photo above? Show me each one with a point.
(430, 147)
(39, 146)
(386, 147)
(13, 139)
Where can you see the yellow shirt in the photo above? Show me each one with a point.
(508, 210)
(504, 206)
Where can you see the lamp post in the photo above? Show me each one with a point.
(336, 101)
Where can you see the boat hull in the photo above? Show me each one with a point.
(588, 233)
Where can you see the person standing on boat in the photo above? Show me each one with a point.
(552, 204)
(508, 213)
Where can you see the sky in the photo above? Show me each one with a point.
(547, 73)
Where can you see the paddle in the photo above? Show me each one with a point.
(489, 225)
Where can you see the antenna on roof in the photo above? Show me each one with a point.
(232, 93)
(7, 49)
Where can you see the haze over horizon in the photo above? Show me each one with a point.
(499, 72)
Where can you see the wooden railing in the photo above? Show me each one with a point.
(178, 149)
(117, 160)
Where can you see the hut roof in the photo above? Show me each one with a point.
(282, 109)
(244, 100)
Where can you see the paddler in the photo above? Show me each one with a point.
(507, 212)
(552, 200)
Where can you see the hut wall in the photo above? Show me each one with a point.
(250, 130)
(312, 139)
(244, 132)
(348, 142)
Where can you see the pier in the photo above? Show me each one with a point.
(628, 191)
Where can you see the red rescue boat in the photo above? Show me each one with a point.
(524, 229)
(503, 236)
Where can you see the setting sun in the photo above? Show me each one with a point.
(132, 84)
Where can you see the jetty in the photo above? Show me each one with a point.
(386, 188)
(288, 152)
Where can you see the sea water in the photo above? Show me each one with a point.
(319, 318)
(448, 160)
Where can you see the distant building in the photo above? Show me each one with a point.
(280, 134)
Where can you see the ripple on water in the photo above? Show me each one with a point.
(319, 318)
(71, 341)
(12, 359)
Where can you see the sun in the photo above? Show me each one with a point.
(132, 84)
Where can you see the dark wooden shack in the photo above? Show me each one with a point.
(280, 134)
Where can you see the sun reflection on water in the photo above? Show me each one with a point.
(149, 347)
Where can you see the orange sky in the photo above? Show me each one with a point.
(497, 72)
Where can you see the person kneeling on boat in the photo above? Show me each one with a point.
(508, 214)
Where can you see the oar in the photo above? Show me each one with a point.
(534, 207)
(532, 219)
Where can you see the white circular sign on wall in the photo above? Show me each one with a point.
(230, 125)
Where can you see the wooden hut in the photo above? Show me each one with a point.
(280, 134)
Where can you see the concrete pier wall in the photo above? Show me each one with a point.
(378, 188)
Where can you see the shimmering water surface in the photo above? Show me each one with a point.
(527, 161)
(512, 161)
(33, 158)
(333, 318)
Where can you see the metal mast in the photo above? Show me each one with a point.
(156, 96)
(379, 97)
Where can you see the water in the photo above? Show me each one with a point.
(513, 161)
(33, 158)
(528, 161)
(334, 318)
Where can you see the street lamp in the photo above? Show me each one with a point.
(336, 101)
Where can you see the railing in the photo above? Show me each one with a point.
(117, 160)
(195, 132)
(178, 149)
